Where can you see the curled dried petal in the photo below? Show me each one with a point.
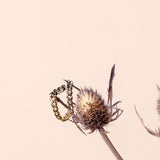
(155, 133)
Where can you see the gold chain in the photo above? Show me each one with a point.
(53, 100)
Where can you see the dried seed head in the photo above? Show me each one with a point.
(91, 110)
(158, 100)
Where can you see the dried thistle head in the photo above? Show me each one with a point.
(91, 109)
(158, 100)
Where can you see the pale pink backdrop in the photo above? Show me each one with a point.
(44, 42)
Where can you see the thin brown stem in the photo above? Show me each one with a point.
(109, 143)
(67, 107)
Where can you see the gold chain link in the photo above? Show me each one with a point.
(69, 95)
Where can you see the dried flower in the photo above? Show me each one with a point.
(158, 100)
(90, 110)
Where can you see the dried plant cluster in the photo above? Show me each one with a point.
(90, 112)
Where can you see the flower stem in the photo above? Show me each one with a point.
(109, 143)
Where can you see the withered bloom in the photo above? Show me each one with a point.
(156, 132)
(90, 112)
(158, 100)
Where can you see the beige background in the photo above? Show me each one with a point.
(44, 42)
